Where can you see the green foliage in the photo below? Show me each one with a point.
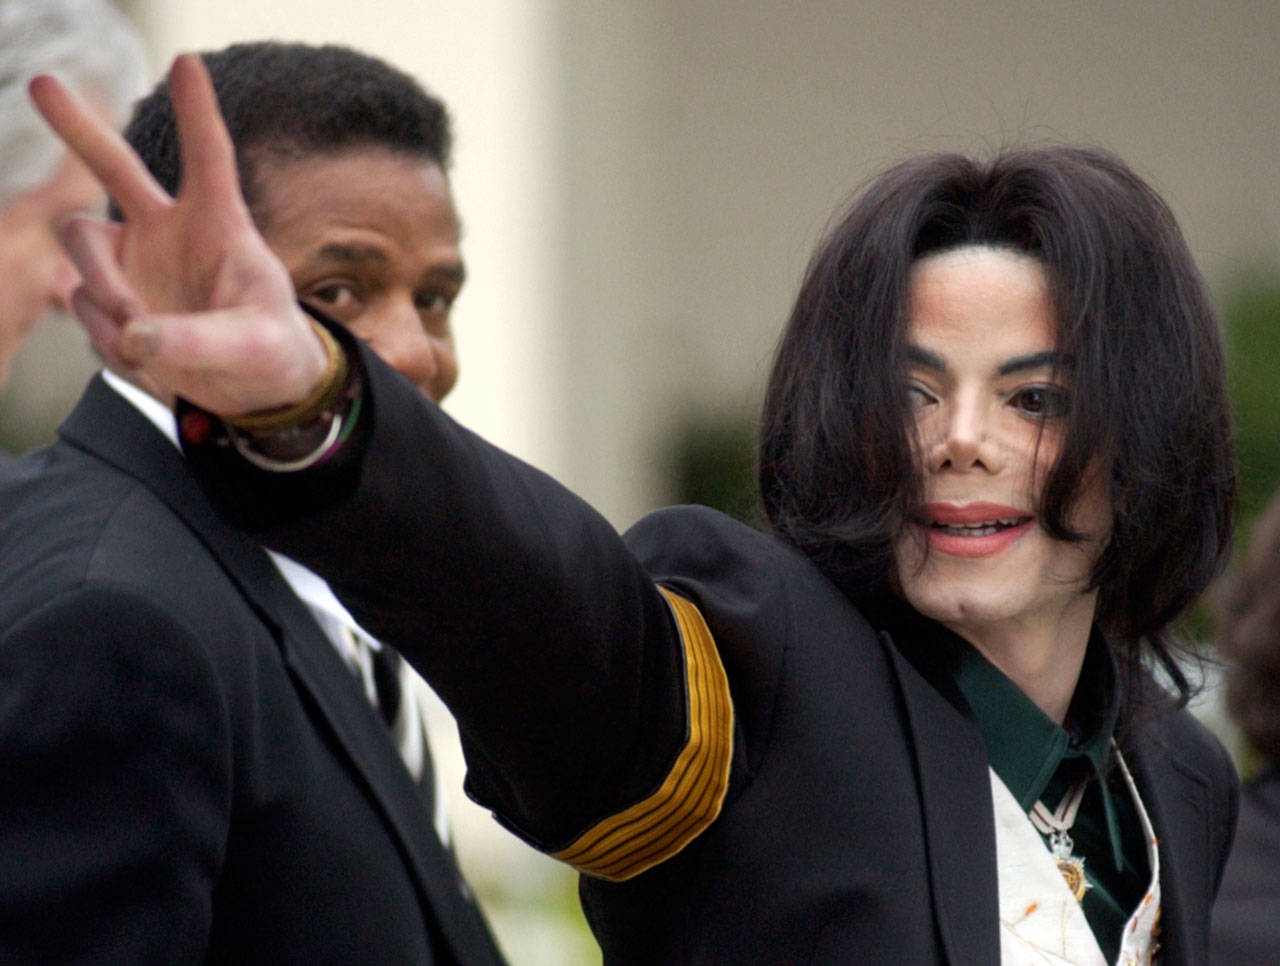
(1251, 313)
(713, 463)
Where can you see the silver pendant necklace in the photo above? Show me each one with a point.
(1057, 826)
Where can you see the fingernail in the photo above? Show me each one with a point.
(139, 342)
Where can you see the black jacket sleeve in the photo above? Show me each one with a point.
(562, 661)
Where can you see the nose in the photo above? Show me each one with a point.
(424, 358)
(965, 442)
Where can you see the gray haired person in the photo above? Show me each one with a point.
(93, 48)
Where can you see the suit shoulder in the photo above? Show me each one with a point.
(57, 508)
(761, 599)
(1193, 746)
(116, 532)
(700, 542)
(79, 529)
(737, 575)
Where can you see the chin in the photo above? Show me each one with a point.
(958, 606)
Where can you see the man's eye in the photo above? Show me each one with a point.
(918, 397)
(429, 302)
(1041, 402)
(333, 295)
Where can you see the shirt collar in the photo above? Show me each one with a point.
(1024, 745)
(156, 412)
(305, 583)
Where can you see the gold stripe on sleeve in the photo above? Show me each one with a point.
(689, 799)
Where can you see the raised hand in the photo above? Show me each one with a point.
(185, 289)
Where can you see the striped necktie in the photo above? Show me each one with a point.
(388, 685)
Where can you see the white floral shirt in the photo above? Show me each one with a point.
(1041, 923)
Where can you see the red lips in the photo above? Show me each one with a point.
(973, 529)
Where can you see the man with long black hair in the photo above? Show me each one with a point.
(921, 721)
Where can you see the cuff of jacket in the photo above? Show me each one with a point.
(690, 796)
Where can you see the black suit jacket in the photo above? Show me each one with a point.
(857, 825)
(862, 830)
(190, 772)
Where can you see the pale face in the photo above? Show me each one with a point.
(370, 237)
(37, 275)
(988, 410)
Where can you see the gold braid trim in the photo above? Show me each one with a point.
(689, 799)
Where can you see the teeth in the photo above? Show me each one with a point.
(984, 529)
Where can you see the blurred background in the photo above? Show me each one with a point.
(641, 184)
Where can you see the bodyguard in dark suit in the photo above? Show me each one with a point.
(918, 723)
(192, 773)
(193, 770)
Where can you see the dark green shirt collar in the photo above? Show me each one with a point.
(1024, 745)
(1028, 750)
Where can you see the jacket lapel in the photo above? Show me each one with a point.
(1177, 800)
(955, 794)
(109, 428)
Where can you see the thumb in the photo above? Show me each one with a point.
(229, 361)
(139, 342)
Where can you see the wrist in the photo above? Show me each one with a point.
(297, 445)
(315, 406)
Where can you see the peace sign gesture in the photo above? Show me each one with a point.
(184, 292)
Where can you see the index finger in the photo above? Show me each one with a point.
(208, 156)
(89, 136)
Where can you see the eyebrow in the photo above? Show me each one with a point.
(1049, 359)
(350, 254)
(1035, 360)
(923, 357)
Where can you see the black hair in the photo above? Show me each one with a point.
(837, 473)
(290, 100)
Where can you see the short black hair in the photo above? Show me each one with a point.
(836, 467)
(291, 100)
